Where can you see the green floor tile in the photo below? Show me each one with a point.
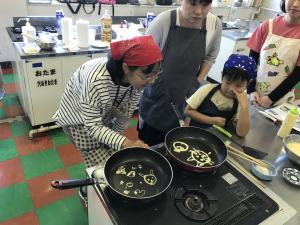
(132, 123)
(7, 150)
(15, 200)
(41, 163)
(68, 211)
(77, 171)
(10, 100)
(20, 128)
(3, 114)
(9, 78)
(58, 137)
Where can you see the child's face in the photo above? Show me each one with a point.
(228, 86)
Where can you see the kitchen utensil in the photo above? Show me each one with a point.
(292, 176)
(46, 41)
(99, 44)
(292, 152)
(193, 148)
(248, 150)
(243, 155)
(143, 21)
(135, 174)
(264, 173)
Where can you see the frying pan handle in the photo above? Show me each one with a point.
(67, 184)
(178, 115)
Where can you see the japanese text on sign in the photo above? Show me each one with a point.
(46, 82)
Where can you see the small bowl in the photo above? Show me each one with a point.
(293, 156)
(264, 173)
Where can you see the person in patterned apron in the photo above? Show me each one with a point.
(276, 46)
(189, 37)
(221, 103)
(102, 95)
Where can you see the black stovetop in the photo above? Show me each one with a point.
(231, 199)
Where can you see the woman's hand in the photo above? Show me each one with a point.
(254, 98)
(265, 101)
(131, 143)
(242, 98)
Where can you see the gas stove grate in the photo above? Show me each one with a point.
(237, 212)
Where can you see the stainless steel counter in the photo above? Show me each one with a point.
(240, 34)
(263, 136)
(58, 50)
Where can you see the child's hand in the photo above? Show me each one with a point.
(254, 98)
(265, 101)
(242, 98)
(219, 121)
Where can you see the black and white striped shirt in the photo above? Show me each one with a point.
(88, 100)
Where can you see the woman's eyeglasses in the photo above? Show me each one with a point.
(151, 75)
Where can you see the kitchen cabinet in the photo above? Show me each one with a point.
(70, 64)
(228, 46)
(41, 81)
(45, 86)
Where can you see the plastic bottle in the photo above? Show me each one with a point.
(288, 122)
(59, 15)
(106, 30)
(150, 16)
(30, 30)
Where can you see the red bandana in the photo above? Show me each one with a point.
(138, 51)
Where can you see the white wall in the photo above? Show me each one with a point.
(270, 9)
(272, 4)
(8, 10)
(13, 8)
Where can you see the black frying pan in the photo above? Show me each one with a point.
(131, 173)
(195, 149)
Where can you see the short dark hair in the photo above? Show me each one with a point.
(282, 6)
(235, 74)
(202, 2)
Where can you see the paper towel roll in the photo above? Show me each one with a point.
(82, 33)
(66, 30)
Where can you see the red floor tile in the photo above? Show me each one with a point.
(11, 172)
(26, 146)
(5, 131)
(7, 71)
(41, 191)
(69, 154)
(131, 133)
(25, 219)
(10, 88)
(14, 110)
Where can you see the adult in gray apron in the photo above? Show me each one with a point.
(183, 53)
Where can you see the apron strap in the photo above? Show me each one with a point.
(172, 26)
(211, 94)
(270, 26)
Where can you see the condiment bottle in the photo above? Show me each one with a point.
(288, 122)
(106, 30)
(30, 30)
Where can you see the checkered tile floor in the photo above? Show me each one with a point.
(28, 166)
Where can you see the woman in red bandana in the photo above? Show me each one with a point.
(102, 94)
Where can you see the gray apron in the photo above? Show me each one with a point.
(184, 50)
